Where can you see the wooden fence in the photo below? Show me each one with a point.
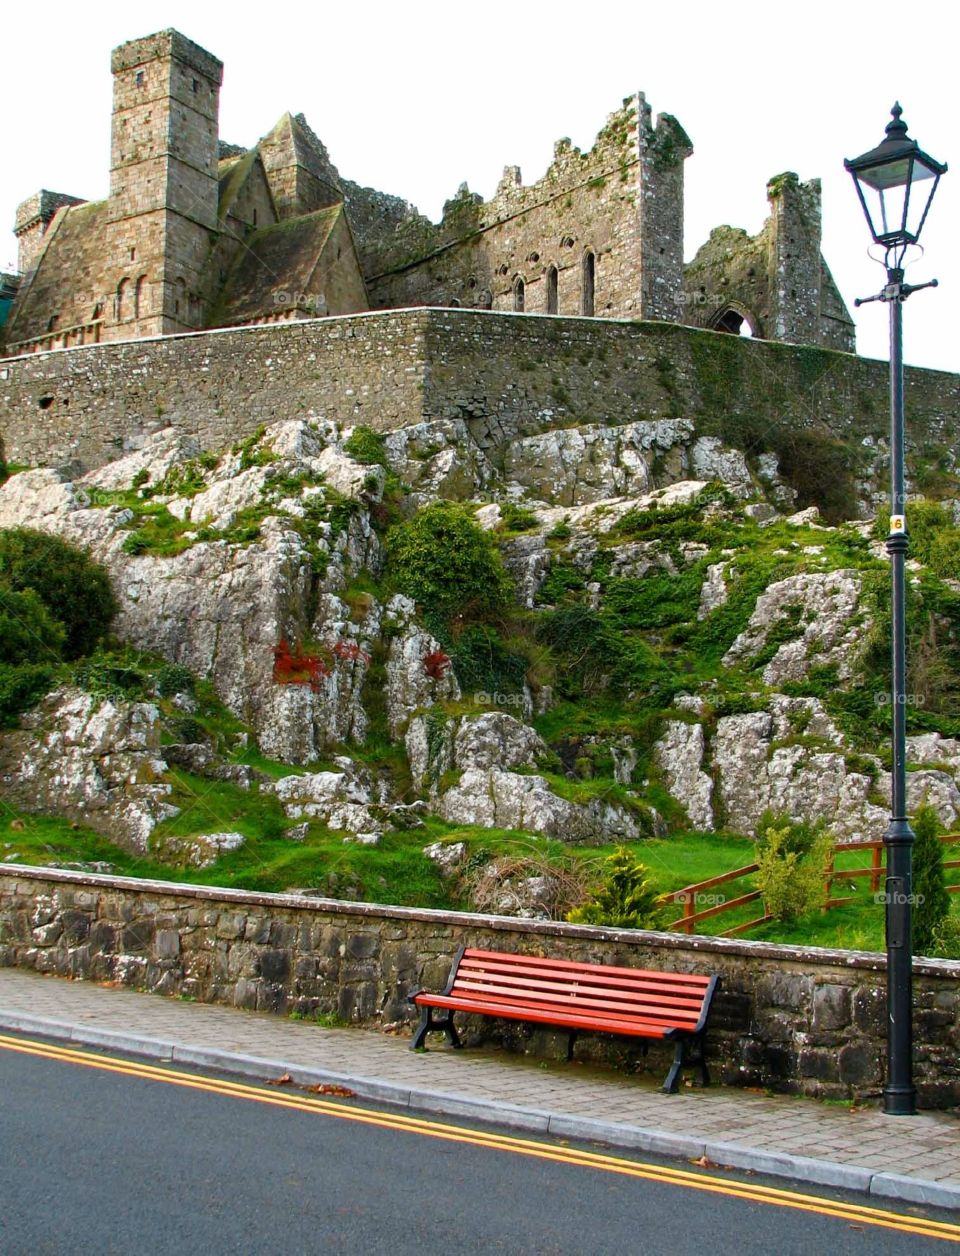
(690, 895)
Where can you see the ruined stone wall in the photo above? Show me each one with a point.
(621, 203)
(799, 1019)
(777, 280)
(505, 374)
(81, 408)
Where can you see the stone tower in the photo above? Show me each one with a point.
(662, 150)
(163, 180)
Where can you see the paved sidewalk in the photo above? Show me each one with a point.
(909, 1158)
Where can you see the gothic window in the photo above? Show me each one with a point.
(588, 284)
(121, 312)
(140, 77)
(733, 321)
(518, 295)
(52, 322)
(98, 311)
(138, 296)
(552, 281)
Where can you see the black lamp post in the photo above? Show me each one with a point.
(896, 182)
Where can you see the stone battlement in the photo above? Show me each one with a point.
(166, 44)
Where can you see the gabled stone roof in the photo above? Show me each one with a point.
(276, 267)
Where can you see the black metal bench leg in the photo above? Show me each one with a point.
(428, 1025)
(671, 1085)
(571, 1043)
(422, 1029)
(451, 1031)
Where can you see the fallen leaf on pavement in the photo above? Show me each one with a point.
(285, 1080)
(326, 1088)
(705, 1162)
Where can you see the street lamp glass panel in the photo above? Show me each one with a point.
(895, 182)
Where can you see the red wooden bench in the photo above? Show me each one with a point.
(597, 998)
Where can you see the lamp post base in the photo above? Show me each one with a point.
(900, 1101)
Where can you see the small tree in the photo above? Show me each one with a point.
(931, 900)
(626, 899)
(792, 870)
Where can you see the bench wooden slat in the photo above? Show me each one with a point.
(572, 980)
(514, 960)
(575, 989)
(548, 1016)
(584, 1002)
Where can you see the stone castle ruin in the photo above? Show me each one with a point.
(197, 234)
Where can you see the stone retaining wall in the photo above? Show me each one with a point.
(797, 1019)
(505, 374)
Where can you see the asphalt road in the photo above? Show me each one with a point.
(100, 1155)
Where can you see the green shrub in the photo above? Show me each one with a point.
(445, 561)
(366, 446)
(932, 904)
(946, 938)
(114, 675)
(28, 631)
(515, 518)
(482, 661)
(626, 899)
(561, 579)
(21, 687)
(791, 879)
(74, 589)
(173, 679)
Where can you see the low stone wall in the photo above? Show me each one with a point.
(796, 1019)
(506, 375)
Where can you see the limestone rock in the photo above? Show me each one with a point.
(448, 856)
(506, 800)
(714, 592)
(575, 466)
(711, 460)
(680, 753)
(409, 682)
(99, 763)
(826, 606)
(201, 851)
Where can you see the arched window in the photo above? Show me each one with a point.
(552, 281)
(588, 284)
(734, 321)
(518, 287)
(138, 297)
(121, 301)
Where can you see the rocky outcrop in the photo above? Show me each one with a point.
(96, 762)
(826, 628)
(482, 752)
(680, 754)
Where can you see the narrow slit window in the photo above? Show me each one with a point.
(552, 290)
(589, 284)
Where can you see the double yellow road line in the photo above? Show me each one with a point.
(856, 1214)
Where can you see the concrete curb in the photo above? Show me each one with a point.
(885, 1185)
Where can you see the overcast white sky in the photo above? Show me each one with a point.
(414, 98)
